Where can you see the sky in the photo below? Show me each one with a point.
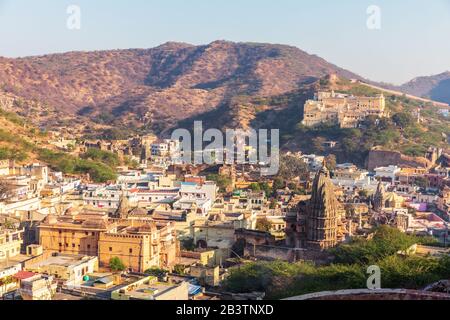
(395, 42)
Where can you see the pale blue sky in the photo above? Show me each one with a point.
(413, 40)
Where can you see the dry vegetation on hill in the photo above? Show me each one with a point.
(156, 88)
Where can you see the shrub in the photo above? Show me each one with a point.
(116, 264)
(282, 279)
(156, 272)
(386, 241)
(109, 158)
(98, 171)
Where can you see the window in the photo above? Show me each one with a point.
(89, 246)
(131, 251)
(110, 249)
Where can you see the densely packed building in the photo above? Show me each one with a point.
(69, 233)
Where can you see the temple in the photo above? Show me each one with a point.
(320, 223)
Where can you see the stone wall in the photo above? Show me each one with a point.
(382, 294)
(272, 253)
(383, 158)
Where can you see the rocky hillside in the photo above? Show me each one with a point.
(435, 87)
(19, 140)
(156, 88)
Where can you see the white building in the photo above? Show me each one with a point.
(10, 207)
(387, 174)
(148, 197)
(108, 197)
(70, 268)
(8, 271)
(313, 161)
(10, 243)
(200, 206)
(166, 148)
(197, 196)
(5, 166)
(194, 191)
(38, 287)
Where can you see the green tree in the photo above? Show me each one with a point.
(282, 279)
(421, 182)
(263, 225)
(278, 184)
(255, 187)
(264, 186)
(115, 264)
(187, 244)
(106, 157)
(222, 182)
(403, 119)
(273, 204)
(386, 241)
(331, 162)
(291, 167)
(179, 269)
(156, 272)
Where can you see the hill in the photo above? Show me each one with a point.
(24, 143)
(155, 88)
(436, 87)
(19, 140)
(401, 131)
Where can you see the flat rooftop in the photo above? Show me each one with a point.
(146, 291)
(4, 264)
(63, 260)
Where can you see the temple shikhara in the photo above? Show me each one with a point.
(342, 109)
(321, 221)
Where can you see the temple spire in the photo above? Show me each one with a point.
(124, 207)
(379, 197)
(322, 220)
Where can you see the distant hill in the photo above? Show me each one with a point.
(156, 88)
(435, 87)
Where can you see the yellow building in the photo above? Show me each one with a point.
(136, 248)
(443, 202)
(74, 234)
(140, 246)
(218, 234)
(207, 276)
(69, 268)
(342, 109)
(6, 166)
(10, 243)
